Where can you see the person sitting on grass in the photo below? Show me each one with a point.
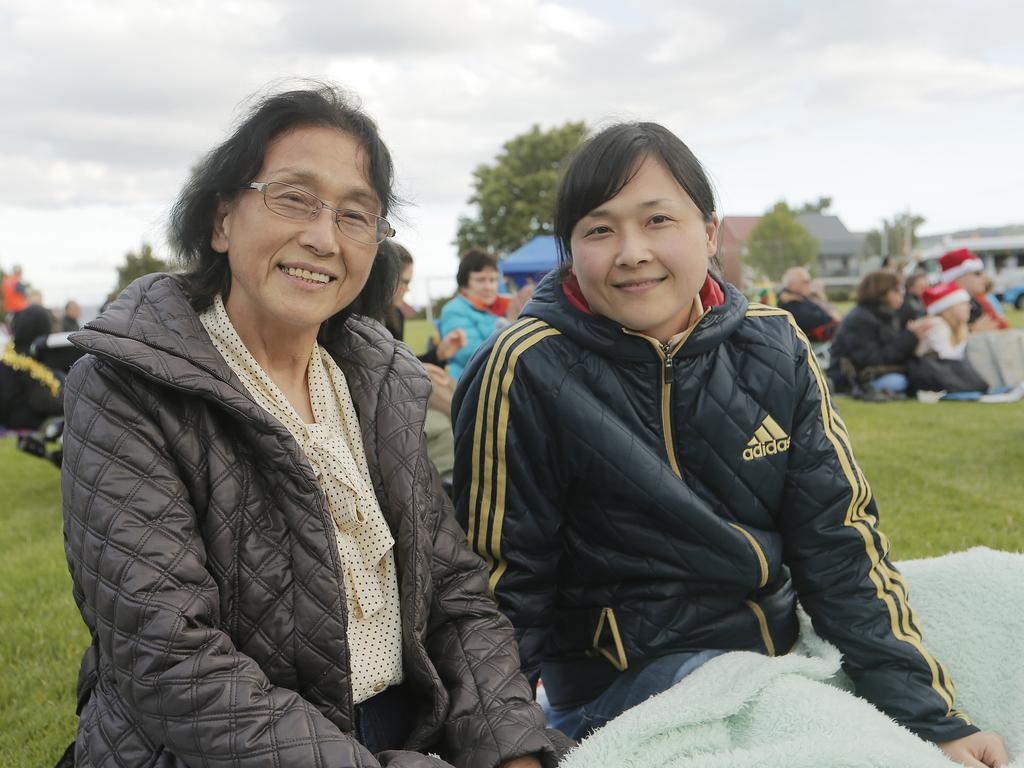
(654, 472)
(30, 392)
(814, 318)
(939, 365)
(478, 309)
(871, 347)
(913, 303)
(965, 269)
(265, 559)
(438, 427)
(439, 354)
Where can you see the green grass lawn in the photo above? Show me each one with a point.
(946, 477)
(417, 333)
(43, 635)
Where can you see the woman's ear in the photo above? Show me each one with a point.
(711, 227)
(220, 237)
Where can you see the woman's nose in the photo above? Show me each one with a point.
(633, 250)
(320, 234)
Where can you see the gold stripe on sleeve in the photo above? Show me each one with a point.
(762, 622)
(481, 443)
(502, 438)
(489, 438)
(888, 586)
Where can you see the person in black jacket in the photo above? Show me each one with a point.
(872, 346)
(653, 469)
(30, 392)
(913, 291)
(813, 318)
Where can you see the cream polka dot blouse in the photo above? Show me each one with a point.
(334, 448)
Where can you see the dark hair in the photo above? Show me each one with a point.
(606, 162)
(913, 277)
(473, 260)
(401, 253)
(234, 163)
(28, 325)
(875, 285)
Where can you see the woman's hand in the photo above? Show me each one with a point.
(443, 389)
(984, 748)
(922, 325)
(450, 344)
(519, 300)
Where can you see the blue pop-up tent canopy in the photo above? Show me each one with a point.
(535, 259)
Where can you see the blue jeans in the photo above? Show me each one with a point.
(629, 689)
(894, 382)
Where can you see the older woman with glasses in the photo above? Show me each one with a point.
(264, 557)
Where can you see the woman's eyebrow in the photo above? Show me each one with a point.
(599, 213)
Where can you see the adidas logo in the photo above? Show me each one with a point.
(768, 440)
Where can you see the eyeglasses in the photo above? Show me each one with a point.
(295, 203)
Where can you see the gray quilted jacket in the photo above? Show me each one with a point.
(205, 567)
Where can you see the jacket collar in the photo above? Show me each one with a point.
(562, 306)
(497, 307)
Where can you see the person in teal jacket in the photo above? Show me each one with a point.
(478, 309)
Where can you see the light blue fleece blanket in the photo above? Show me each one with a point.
(747, 710)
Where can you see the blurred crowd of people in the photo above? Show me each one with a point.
(904, 335)
(30, 389)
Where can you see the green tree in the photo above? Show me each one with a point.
(778, 242)
(515, 195)
(896, 237)
(821, 206)
(138, 264)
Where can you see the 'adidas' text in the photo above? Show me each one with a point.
(766, 449)
(768, 440)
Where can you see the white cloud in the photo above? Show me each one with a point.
(575, 23)
(108, 104)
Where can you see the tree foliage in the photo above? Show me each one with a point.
(779, 242)
(138, 264)
(820, 206)
(515, 195)
(892, 238)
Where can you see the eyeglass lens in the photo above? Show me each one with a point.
(294, 203)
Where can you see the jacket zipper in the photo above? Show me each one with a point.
(666, 353)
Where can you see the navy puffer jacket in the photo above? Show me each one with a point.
(634, 499)
(870, 342)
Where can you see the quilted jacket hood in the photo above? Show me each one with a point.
(152, 329)
(605, 336)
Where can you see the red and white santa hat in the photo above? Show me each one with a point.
(962, 261)
(939, 298)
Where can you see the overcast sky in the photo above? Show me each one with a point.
(880, 105)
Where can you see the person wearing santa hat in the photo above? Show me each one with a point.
(940, 363)
(965, 269)
(948, 339)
